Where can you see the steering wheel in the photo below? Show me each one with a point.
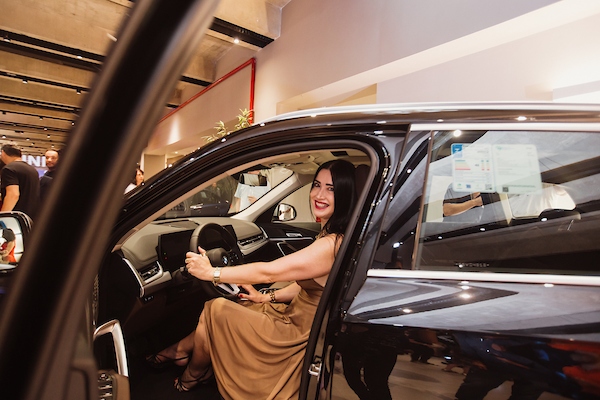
(222, 251)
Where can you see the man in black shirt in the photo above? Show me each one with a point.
(46, 179)
(19, 183)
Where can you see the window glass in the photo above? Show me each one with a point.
(512, 201)
(231, 194)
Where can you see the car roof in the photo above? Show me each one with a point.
(454, 111)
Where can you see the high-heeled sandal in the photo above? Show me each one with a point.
(184, 385)
(160, 361)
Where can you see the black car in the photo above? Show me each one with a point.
(470, 268)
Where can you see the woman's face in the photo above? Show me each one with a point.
(322, 198)
(139, 177)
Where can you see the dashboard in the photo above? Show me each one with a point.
(156, 252)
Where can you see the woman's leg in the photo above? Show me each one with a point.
(200, 360)
(198, 369)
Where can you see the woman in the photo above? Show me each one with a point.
(138, 179)
(255, 348)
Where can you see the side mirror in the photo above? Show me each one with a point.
(14, 230)
(284, 212)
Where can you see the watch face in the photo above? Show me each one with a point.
(225, 260)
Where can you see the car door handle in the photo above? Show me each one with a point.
(114, 329)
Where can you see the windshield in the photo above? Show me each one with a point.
(232, 194)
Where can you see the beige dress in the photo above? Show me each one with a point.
(257, 350)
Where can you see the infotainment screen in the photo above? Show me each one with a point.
(172, 248)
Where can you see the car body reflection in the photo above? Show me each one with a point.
(514, 348)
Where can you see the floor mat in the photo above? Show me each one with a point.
(148, 383)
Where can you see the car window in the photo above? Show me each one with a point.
(231, 194)
(511, 201)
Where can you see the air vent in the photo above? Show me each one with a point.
(252, 239)
(149, 272)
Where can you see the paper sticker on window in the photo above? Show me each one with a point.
(472, 168)
(516, 169)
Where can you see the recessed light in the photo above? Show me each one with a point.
(236, 40)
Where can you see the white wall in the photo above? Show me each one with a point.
(380, 51)
(427, 50)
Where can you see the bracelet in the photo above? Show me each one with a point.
(217, 276)
(272, 295)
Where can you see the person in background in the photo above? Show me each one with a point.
(52, 157)
(19, 183)
(8, 242)
(138, 179)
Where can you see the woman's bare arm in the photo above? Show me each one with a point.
(312, 262)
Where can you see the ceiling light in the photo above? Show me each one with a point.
(521, 118)
(6, 39)
(45, 128)
(79, 57)
(3, 136)
(41, 117)
(24, 81)
(78, 91)
(457, 133)
(236, 40)
(48, 137)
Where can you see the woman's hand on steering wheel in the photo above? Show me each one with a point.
(198, 265)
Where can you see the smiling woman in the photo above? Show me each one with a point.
(277, 323)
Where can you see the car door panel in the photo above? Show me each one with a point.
(488, 309)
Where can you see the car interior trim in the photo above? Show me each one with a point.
(113, 328)
(149, 286)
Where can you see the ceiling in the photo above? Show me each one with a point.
(50, 51)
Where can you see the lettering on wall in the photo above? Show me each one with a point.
(34, 161)
(38, 162)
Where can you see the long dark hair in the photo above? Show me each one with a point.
(342, 175)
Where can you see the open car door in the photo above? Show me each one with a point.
(46, 354)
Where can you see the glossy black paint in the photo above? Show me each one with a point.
(384, 362)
